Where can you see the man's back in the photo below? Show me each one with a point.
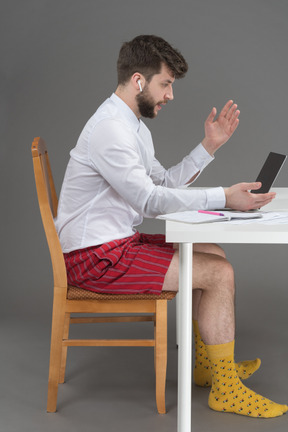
(91, 211)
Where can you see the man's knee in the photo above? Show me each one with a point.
(210, 248)
(225, 275)
(219, 251)
(212, 272)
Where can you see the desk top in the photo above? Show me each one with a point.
(179, 232)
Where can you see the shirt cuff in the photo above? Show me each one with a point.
(202, 157)
(216, 198)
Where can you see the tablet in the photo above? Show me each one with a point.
(270, 171)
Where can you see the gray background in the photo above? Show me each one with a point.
(57, 64)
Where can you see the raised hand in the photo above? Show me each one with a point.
(217, 132)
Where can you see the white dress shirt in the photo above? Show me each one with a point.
(113, 180)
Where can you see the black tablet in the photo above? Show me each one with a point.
(269, 171)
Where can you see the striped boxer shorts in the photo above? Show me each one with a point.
(132, 265)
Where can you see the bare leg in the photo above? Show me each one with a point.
(205, 248)
(210, 248)
(214, 276)
(202, 374)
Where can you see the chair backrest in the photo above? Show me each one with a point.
(48, 202)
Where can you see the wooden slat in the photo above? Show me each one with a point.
(111, 306)
(110, 342)
(111, 319)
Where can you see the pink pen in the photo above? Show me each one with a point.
(211, 213)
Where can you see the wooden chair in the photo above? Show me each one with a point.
(69, 299)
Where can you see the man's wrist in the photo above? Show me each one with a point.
(226, 192)
(208, 146)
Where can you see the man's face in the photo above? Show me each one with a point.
(156, 93)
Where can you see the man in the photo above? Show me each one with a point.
(113, 180)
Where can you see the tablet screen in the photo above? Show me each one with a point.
(269, 171)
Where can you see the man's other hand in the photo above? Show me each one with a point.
(239, 197)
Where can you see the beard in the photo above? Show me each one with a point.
(146, 104)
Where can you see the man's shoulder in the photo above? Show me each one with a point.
(106, 111)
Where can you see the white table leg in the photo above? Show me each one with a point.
(185, 338)
(177, 320)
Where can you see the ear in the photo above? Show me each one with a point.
(138, 86)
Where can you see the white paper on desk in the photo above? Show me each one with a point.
(268, 218)
(195, 217)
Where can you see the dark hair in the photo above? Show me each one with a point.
(146, 54)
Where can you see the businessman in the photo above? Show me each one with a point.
(113, 180)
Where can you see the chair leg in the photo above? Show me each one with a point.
(161, 353)
(155, 342)
(58, 319)
(64, 349)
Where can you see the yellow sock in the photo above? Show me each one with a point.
(229, 394)
(202, 373)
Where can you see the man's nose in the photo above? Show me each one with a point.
(169, 94)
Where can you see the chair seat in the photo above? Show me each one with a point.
(75, 293)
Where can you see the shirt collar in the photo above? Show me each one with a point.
(128, 114)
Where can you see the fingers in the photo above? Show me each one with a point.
(230, 112)
(211, 116)
(250, 186)
(261, 202)
(255, 186)
(264, 197)
(235, 114)
(234, 125)
(226, 108)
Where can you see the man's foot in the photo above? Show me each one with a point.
(202, 372)
(229, 394)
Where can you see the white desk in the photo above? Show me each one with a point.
(187, 234)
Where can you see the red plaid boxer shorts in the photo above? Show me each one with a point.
(135, 264)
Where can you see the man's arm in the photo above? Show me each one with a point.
(180, 174)
(218, 132)
(116, 158)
